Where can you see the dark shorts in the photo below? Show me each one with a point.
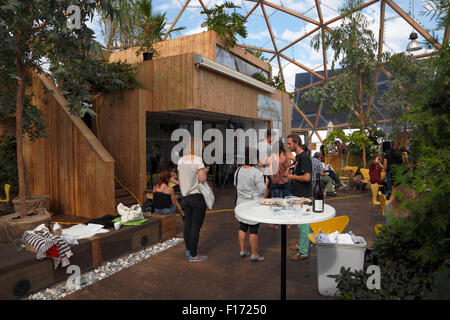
(253, 227)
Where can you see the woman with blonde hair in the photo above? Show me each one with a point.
(192, 171)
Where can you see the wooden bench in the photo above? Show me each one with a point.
(168, 225)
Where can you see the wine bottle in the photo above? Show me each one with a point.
(318, 198)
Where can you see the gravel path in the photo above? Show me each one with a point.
(60, 290)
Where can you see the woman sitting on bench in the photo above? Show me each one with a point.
(164, 201)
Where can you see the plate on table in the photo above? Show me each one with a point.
(265, 202)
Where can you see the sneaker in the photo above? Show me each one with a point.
(257, 258)
(294, 247)
(197, 258)
(188, 253)
(298, 257)
(244, 254)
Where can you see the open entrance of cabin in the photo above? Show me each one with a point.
(159, 128)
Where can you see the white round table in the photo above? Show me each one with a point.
(253, 211)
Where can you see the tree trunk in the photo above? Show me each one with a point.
(19, 111)
(361, 110)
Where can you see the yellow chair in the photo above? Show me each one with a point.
(7, 190)
(378, 228)
(348, 178)
(375, 187)
(365, 174)
(335, 224)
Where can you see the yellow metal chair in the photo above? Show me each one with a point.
(335, 224)
(348, 177)
(374, 188)
(7, 190)
(365, 174)
(378, 228)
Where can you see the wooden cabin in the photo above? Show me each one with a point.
(186, 81)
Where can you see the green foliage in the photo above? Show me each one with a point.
(257, 53)
(227, 26)
(8, 163)
(151, 27)
(414, 251)
(72, 56)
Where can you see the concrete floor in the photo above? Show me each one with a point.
(225, 276)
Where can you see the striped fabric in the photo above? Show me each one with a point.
(42, 240)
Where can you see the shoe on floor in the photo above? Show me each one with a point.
(298, 257)
(332, 193)
(188, 253)
(257, 258)
(244, 254)
(197, 258)
(294, 247)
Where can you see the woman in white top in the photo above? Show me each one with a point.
(250, 184)
(191, 172)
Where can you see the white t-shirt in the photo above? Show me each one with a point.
(188, 174)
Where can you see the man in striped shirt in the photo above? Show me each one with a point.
(318, 175)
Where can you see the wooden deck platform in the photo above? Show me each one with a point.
(21, 273)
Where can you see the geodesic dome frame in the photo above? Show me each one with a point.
(321, 25)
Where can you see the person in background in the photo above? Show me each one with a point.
(387, 162)
(250, 184)
(192, 171)
(164, 201)
(279, 168)
(305, 148)
(174, 183)
(375, 173)
(320, 176)
(332, 174)
(322, 153)
(265, 150)
(301, 186)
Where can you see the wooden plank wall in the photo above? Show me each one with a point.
(70, 164)
(203, 43)
(122, 124)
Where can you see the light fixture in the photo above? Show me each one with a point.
(201, 61)
(413, 45)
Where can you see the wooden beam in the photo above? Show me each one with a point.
(318, 136)
(251, 11)
(273, 41)
(324, 51)
(299, 39)
(292, 13)
(302, 114)
(424, 55)
(281, 71)
(255, 48)
(308, 87)
(269, 28)
(319, 109)
(344, 15)
(413, 23)
(176, 19)
(316, 84)
(334, 127)
(380, 53)
(302, 66)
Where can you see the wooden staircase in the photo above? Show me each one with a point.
(123, 196)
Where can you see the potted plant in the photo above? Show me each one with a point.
(151, 28)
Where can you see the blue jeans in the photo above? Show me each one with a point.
(281, 190)
(170, 210)
(333, 176)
